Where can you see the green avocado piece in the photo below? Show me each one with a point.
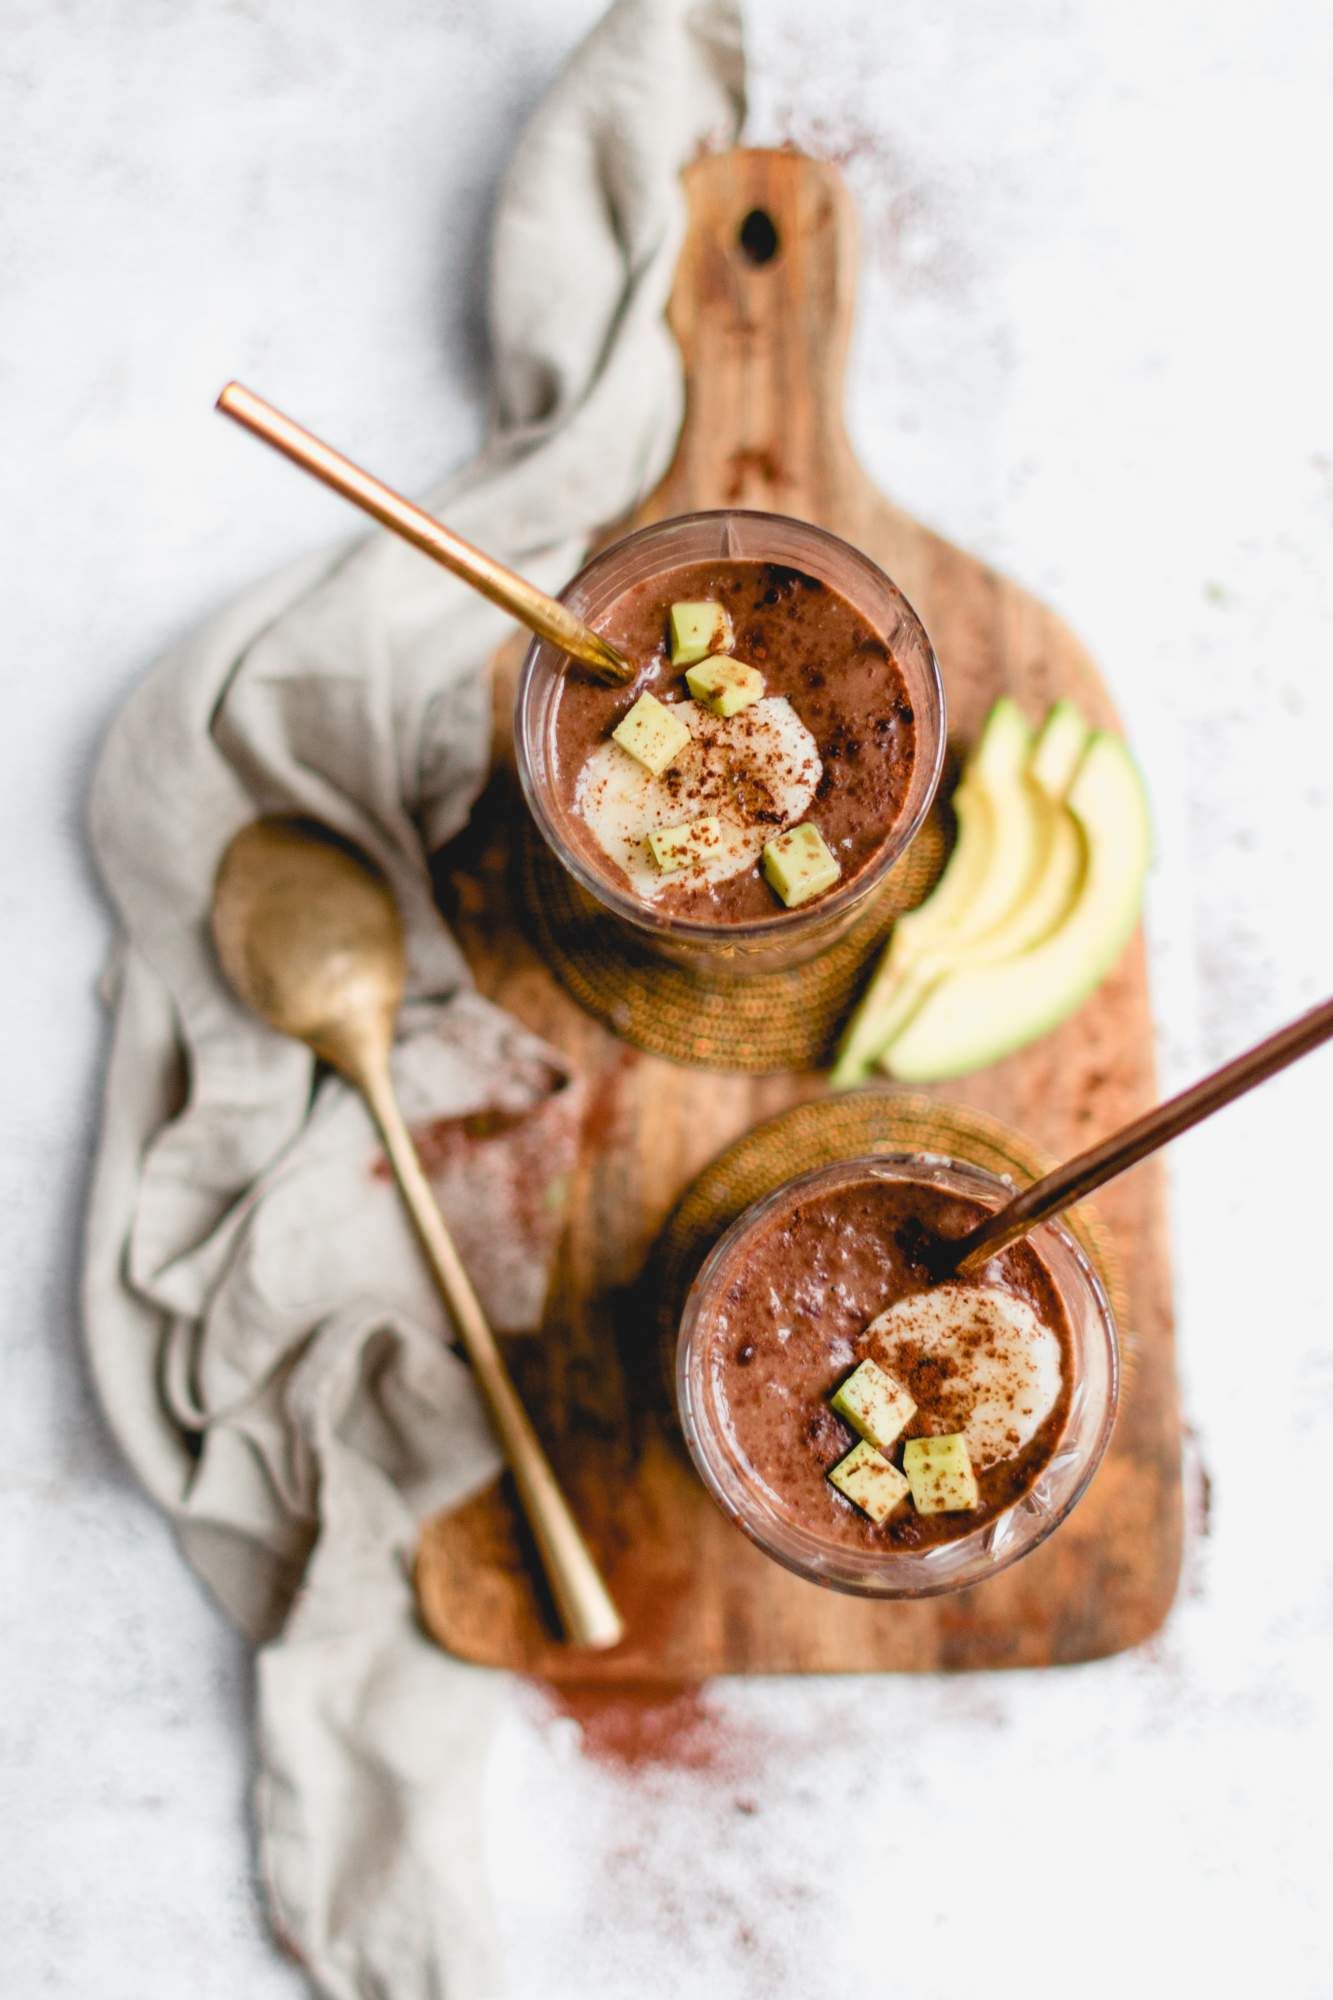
(1012, 835)
(980, 1013)
(992, 860)
(1055, 758)
(874, 1403)
(697, 630)
(724, 686)
(798, 864)
(939, 1472)
(1045, 902)
(652, 734)
(870, 1481)
(674, 847)
(1058, 750)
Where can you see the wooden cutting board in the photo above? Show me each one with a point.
(764, 341)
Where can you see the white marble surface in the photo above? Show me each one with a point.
(1095, 344)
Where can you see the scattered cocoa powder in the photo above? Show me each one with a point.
(502, 1174)
(604, 1108)
(446, 1141)
(634, 1727)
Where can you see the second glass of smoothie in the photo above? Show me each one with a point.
(873, 1424)
(836, 752)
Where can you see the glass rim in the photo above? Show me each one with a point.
(947, 1566)
(632, 909)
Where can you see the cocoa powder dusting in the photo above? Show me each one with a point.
(445, 1141)
(501, 1173)
(695, 1866)
(630, 1727)
(448, 1146)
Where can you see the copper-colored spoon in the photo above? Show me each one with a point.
(309, 935)
(544, 615)
(1101, 1163)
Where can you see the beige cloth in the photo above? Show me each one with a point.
(263, 1339)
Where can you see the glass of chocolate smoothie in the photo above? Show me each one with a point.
(876, 1428)
(775, 754)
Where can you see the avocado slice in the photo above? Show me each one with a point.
(1045, 902)
(1059, 748)
(962, 940)
(1008, 831)
(993, 858)
(980, 1013)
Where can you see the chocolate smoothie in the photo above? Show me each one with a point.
(831, 742)
(803, 1300)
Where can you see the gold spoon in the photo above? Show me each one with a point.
(544, 615)
(309, 936)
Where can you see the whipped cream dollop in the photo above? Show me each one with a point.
(756, 772)
(977, 1360)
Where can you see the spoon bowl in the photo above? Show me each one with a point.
(309, 936)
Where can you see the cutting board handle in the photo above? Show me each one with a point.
(762, 309)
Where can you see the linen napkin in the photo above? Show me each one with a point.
(262, 1335)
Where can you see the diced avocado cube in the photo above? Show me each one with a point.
(675, 847)
(697, 630)
(798, 864)
(724, 686)
(870, 1481)
(939, 1472)
(875, 1403)
(652, 734)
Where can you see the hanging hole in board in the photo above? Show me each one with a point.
(758, 237)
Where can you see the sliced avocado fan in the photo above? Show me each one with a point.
(999, 859)
(980, 1013)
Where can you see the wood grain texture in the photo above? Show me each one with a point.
(763, 350)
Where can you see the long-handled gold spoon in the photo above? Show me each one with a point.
(1101, 1163)
(544, 615)
(309, 935)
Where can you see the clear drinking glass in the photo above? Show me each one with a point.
(788, 936)
(997, 1542)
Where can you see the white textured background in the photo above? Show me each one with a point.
(1095, 344)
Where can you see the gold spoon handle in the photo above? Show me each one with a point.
(544, 615)
(586, 1610)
